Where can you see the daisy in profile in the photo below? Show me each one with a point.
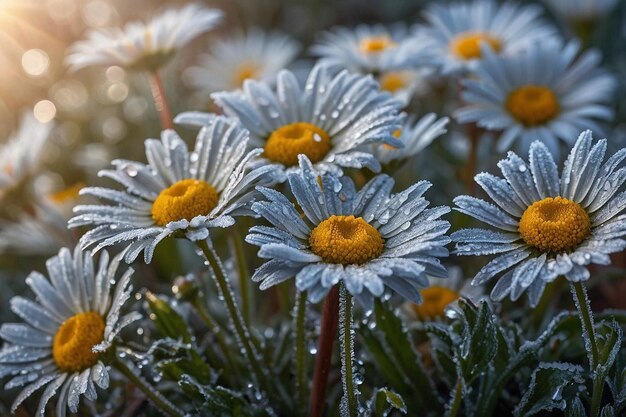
(367, 240)
(178, 193)
(415, 136)
(73, 322)
(331, 119)
(440, 294)
(546, 226)
(389, 54)
(256, 55)
(459, 30)
(43, 231)
(20, 156)
(548, 92)
(143, 46)
(581, 10)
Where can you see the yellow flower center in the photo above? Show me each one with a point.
(184, 200)
(467, 45)
(554, 224)
(287, 142)
(376, 44)
(435, 300)
(73, 343)
(67, 194)
(392, 81)
(532, 105)
(246, 70)
(346, 240)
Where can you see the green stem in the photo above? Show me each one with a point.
(347, 352)
(300, 351)
(156, 397)
(242, 333)
(244, 279)
(589, 335)
(586, 319)
(214, 328)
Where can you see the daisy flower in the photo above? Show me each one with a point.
(415, 136)
(581, 10)
(548, 226)
(442, 293)
(257, 55)
(368, 240)
(389, 54)
(458, 30)
(547, 92)
(20, 156)
(178, 193)
(330, 119)
(42, 232)
(144, 45)
(74, 320)
(370, 49)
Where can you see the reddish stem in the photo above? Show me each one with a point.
(330, 321)
(160, 100)
(472, 159)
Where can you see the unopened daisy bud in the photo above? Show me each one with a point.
(186, 288)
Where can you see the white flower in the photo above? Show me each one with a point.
(368, 240)
(549, 226)
(370, 49)
(20, 156)
(144, 45)
(331, 119)
(178, 193)
(42, 232)
(458, 30)
(399, 62)
(548, 92)
(74, 320)
(415, 136)
(441, 294)
(256, 55)
(581, 10)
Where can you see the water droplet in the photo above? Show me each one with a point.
(522, 168)
(130, 171)
(317, 138)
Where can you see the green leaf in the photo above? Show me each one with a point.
(575, 409)
(174, 359)
(547, 388)
(399, 343)
(167, 321)
(384, 401)
(607, 411)
(220, 401)
(609, 343)
(480, 344)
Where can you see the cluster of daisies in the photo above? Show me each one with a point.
(290, 150)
